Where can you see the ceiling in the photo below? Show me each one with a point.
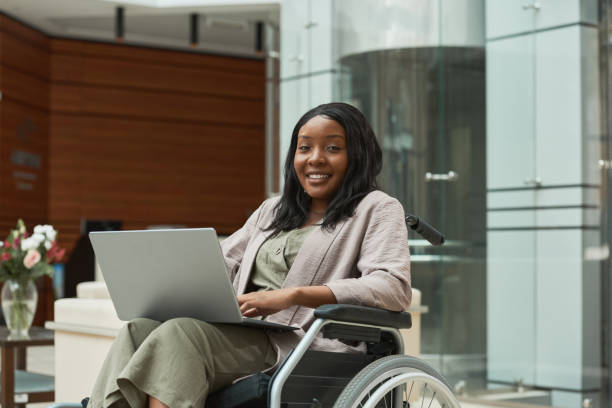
(225, 26)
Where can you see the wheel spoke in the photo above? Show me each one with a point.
(424, 393)
(384, 384)
(432, 398)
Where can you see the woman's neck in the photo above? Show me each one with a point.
(316, 212)
(317, 207)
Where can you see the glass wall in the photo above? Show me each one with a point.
(426, 102)
(488, 113)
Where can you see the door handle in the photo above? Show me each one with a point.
(604, 164)
(450, 176)
(535, 182)
(533, 6)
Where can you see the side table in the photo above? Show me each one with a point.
(18, 386)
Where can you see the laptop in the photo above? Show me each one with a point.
(168, 273)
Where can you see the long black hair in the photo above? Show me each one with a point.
(364, 164)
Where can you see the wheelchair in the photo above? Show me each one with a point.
(383, 377)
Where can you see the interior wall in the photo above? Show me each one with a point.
(109, 131)
(24, 125)
(154, 137)
(24, 136)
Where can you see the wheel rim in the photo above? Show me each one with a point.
(393, 388)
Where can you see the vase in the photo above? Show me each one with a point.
(19, 298)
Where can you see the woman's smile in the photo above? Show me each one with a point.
(318, 178)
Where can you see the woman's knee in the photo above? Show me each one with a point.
(174, 328)
(138, 329)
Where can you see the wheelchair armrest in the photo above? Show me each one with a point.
(365, 315)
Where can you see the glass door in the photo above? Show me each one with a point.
(426, 103)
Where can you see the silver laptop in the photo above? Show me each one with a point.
(163, 274)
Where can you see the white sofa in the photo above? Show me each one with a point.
(86, 326)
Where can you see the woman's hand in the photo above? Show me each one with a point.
(265, 303)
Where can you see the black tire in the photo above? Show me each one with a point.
(350, 396)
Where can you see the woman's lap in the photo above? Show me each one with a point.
(179, 361)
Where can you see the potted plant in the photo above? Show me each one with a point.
(23, 259)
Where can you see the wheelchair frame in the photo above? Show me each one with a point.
(294, 358)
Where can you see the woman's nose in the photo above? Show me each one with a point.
(316, 156)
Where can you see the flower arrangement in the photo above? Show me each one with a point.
(26, 257)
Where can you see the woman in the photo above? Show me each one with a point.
(331, 237)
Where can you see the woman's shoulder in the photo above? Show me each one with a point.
(378, 199)
(266, 209)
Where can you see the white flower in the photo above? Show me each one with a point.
(28, 244)
(38, 238)
(1, 243)
(51, 234)
(47, 230)
(48, 245)
(15, 234)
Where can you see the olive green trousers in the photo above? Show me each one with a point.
(179, 362)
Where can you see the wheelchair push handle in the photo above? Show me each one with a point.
(425, 230)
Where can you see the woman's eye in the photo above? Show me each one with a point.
(333, 148)
(303, 148)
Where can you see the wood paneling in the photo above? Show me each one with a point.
(146, 56)
(23, 49)
(155, 105)
(155, 172)
(24, 125)
(130, 74)
(143, 135)
(157, 136)
(24, 136)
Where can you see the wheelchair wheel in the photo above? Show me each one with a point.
(397, 382)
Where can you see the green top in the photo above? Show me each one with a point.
(275, 257)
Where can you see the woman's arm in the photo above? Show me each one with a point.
(268, 302)
(233, 247)
(383, 262)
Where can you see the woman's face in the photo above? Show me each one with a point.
(321, 159)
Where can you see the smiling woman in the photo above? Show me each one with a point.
(332, 237)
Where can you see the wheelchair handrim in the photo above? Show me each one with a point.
(393, 378)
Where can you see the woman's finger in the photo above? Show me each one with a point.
(253, 312)
(244, 307)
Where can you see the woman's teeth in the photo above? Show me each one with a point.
(318, 176)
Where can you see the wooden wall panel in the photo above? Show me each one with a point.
(144, 104)
(96, 71)
(142, 170)
(24, 136)
(24, 125)
(148, 56)
(22, 48)
(158, 137)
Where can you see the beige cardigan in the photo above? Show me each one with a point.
(364, 261)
